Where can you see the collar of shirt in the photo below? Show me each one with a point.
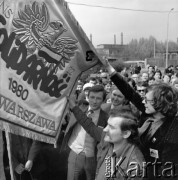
(95, 112)
(121, 152)
(95, 116)
(157, 123)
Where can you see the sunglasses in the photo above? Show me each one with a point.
(141, 90)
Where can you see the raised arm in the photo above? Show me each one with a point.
(85, 122)
(124, 87)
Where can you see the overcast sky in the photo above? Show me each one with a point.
(104, 23)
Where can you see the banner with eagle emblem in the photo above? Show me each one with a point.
(43, 51)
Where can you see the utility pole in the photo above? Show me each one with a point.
(154, 48)
(167, 49)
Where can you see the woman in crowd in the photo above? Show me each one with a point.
(158, 76)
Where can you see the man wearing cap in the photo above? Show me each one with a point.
(84, 94)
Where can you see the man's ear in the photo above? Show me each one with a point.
(126, 134)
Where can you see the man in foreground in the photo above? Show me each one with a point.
(118, 153)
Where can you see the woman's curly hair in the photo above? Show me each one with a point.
(165, 99)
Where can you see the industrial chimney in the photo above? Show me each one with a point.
(114, 39)
(122, 39)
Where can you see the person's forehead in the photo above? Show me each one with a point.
(115, 121)
(134, 76)
(141, 87)
(117, 92)
(149, 94)
(96, 94)
(167, 77)
(157, 73)
(92, 81)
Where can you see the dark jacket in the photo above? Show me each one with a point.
(164, 140)
(131, 152)
(22, 149)
(102, 122)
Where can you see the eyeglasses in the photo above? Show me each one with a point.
(141, 90)
(147, 100)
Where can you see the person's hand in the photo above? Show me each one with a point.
(29, 165)
(19, 169)
(104, 61)
(72, 101)
(107, 65)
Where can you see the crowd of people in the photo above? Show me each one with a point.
(121, 125)
(138, 79)
(151, 97)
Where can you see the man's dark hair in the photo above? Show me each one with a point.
(171, 66)
(158, 71)
(151, 67)
(87, 88)
(98, 88)
(164, 99)
(83, 101)
(129, 123)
